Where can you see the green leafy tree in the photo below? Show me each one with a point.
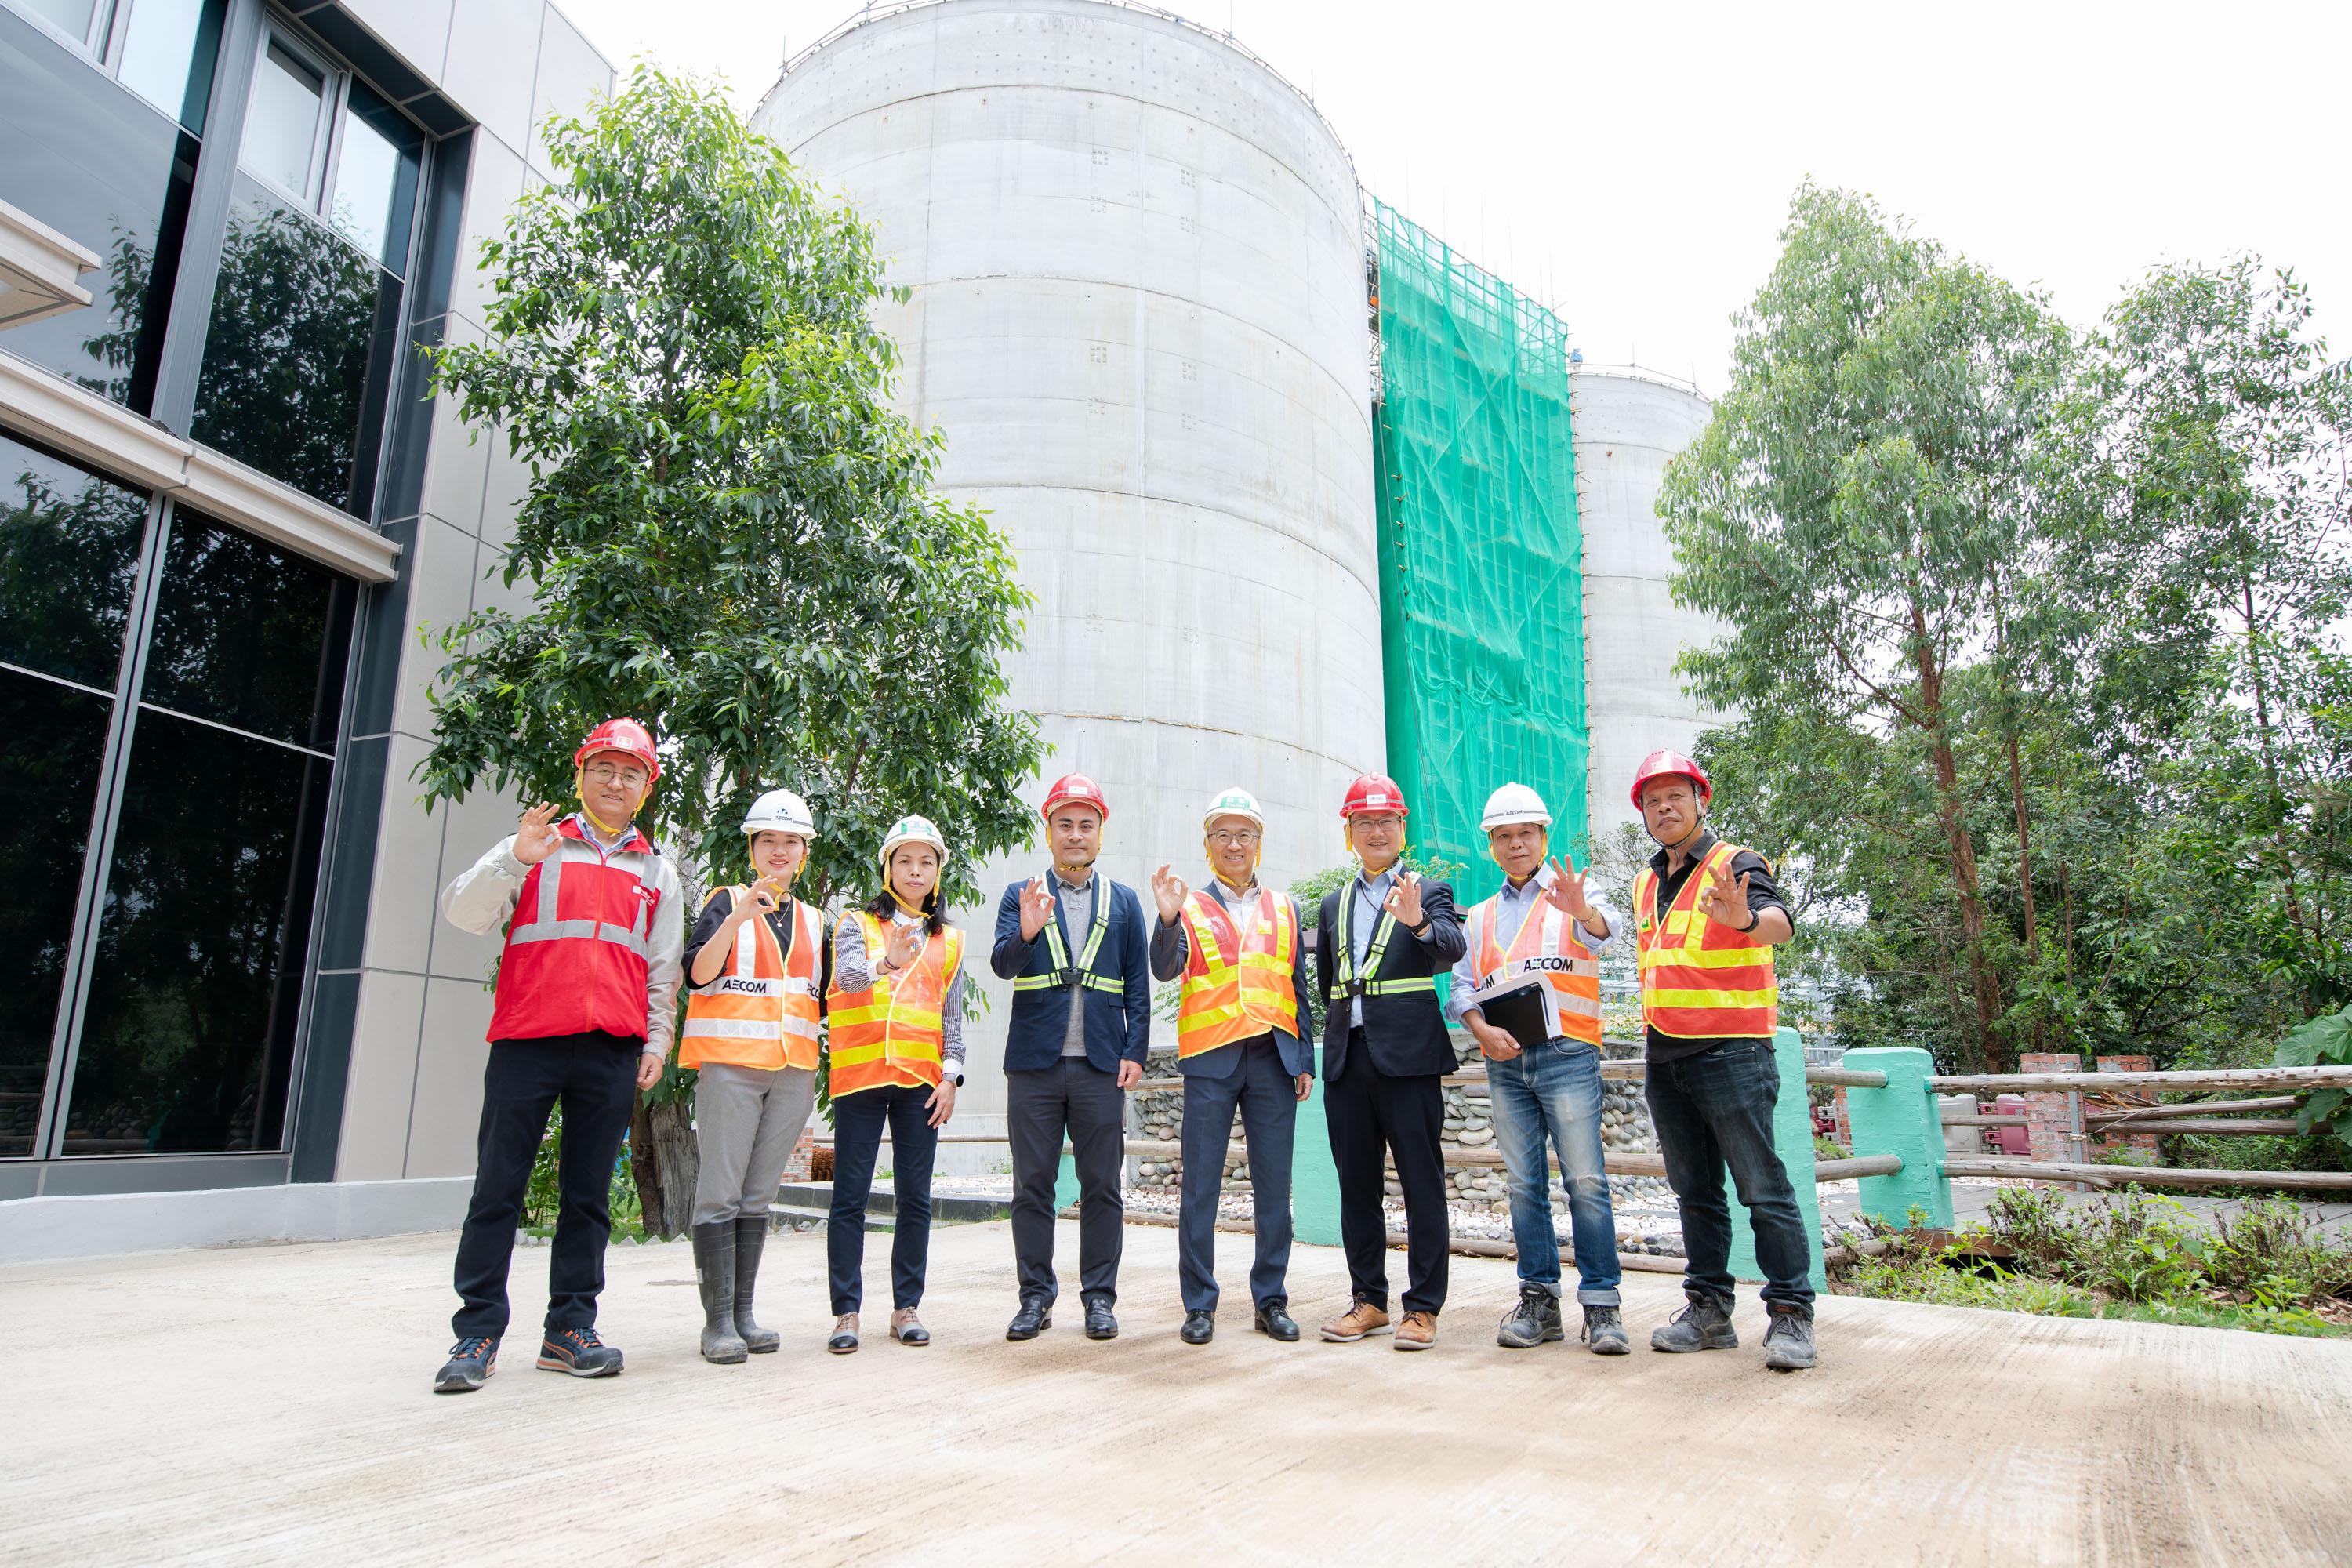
(730, 534)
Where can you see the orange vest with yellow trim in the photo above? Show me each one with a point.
(891, 1032)
(761, 1009)
(1550, 947)
(1237, 983)
(1701, 980)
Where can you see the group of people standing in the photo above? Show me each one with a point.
(595, 953)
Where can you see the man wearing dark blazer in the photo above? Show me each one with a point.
(1379, 944)
(1074, 946)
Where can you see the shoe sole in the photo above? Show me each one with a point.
(850, 1348)
(911, 1344)
(1102, 1333)
(1612, 1347)
(549, 1363)
(1405, 1345)
(1042, 1325)
(1549, 1337)
(768, 1349)
(1789, 1366)
(1702, 1345)
(1279, 1339)
(463, 1385)
(1330, 1338)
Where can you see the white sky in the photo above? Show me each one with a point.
(1631, 164)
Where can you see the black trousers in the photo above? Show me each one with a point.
(595, 1078)
(1367, 1113)
(858, 1123)
(1076, 1097)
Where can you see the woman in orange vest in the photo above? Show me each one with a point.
(896, 1053)
(756, 964)
(1705, 916)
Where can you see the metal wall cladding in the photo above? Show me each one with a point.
(1138, 315)
(1628, 428)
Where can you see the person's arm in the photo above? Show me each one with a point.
(702, 943)
(1325, 942)
(1604, 940)
(1136, 980)
(1167, 948)
(484, 894)
(851, 966)
(1010, 956)
(663, 971)
(1300, 990)
(1442, 934)
(951, 1024)
(1773, 921)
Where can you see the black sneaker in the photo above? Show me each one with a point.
(471, 1362)
(1789, 1342)
(580, 1352)
(1533, 1321)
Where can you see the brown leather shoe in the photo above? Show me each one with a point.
(1361, 1319)
(1417, 1333)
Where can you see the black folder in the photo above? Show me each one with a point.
(1518, 1012)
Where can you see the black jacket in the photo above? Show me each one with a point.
(1404, 1030)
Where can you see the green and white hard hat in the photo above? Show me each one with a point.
(1234, 801)
(912, 830)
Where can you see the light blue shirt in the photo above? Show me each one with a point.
(1365, 901)
(1512, 907)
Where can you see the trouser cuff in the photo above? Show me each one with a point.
(1602, 1298)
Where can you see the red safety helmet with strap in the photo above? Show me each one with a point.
(1075, 789)
(625, 736)
(1372, 791)
(1671, 764)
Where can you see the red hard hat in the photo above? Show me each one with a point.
(1076, 787)
(625, 736)
(1666, 765)
(1372, 791)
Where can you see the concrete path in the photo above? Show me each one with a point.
(271, 1405)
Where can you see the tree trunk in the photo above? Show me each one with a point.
(1967, 884)
(2017, 792)
(662, 1158)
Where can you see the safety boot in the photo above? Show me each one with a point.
(1703, 1324)
(714, 1274)
(751, 1240)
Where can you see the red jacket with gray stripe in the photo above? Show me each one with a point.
(594, 939)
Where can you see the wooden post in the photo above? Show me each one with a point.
(2053, 1122)
(1902, 1120)
(1793, 1138)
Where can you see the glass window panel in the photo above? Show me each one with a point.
(52, 741)
(281, 128)
(376, 178)
(167, 56)
(303, 345)
(248, 636)
(71, 18)
(84, 155)
(187, 1038)
(69, 558)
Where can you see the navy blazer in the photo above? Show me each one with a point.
(1404, 1032)
(1118, 1025)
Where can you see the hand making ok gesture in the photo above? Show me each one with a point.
(1404, 899)
(1168, 891)
(1036, 908)
(535, 836)
(1727, 904)
(1566, 893)
(903, 943)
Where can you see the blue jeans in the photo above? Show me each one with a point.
(857, 1120)
(1714, 1110)
(1551, 1095)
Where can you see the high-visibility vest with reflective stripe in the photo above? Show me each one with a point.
(577, 946)
(1549, 946)
(1062, 973)
(1237, 983)
(761, 1009)
(1701, 980)
(891, 1032)
(1348, 983)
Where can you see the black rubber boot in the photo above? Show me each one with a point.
(751, 1240)
(714, 1272)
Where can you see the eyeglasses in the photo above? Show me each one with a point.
(1228, 835)
(606, 772)
(1383, 820)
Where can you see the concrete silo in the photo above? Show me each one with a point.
(1628, 426)
(1139, 316)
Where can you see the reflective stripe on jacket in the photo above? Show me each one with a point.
(1549, 946)
(1701, 980)
(891, 1032)
(761, 1010)
(1237, 983)
(588, 945)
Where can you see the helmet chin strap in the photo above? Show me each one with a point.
(580, 790)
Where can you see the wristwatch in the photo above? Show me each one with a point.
(954, 1080)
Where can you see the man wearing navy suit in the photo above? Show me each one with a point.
(1379, 943)
(1073, 944)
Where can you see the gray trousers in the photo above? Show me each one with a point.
(1077, 1096)
(746, 1121)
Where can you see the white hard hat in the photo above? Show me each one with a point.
(912, 830)
(1234, 801)
(1512, 804)
(780, 811)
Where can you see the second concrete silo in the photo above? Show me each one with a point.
(1137, 314)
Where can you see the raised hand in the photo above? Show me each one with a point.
(1404, 899)
(1566, 893)
(1036, 908)
(903, 943)
(1168, 890)
(1727, 904)
(767, 896)
(535, 836)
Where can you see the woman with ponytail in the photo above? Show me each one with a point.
(896, 1050)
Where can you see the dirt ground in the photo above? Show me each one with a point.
(272, 1405)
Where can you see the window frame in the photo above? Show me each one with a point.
(326, 129)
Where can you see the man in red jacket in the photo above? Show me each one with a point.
(587, 996)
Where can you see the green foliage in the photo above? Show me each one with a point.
(730, 532)
(2322, 1042)
(2037, 642)
(1827, 1148)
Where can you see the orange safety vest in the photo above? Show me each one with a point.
(1237, 983)
(1549, 946)
(891, 1032)
(1701, 980)
(761, 1010)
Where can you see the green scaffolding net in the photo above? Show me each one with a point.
(1482, 585)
